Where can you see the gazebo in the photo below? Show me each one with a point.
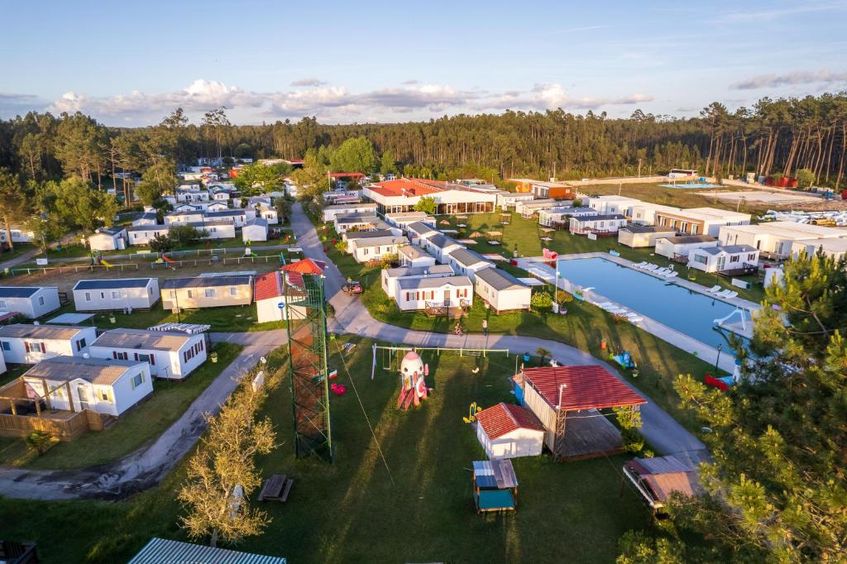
(568, 400)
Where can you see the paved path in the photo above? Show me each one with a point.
(148, 465)
(20, 259)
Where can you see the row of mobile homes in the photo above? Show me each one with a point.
(30, 302)
(207, 291)
(29, 344)
(72, 383)
(502, 291)
(678, 248)
(776, 239)
(641, 236)
(115, 294)
(170, 354)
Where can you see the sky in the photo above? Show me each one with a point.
(132, 63)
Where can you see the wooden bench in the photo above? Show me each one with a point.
(276, 488)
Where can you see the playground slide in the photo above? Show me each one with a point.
(168, 259)
(105, 263)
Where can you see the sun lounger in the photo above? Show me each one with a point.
(672, 274)
(651, 267)
(662, 271)
(714, 289)
(731, 294)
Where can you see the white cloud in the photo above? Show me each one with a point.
(329, 103)
(308, 82)
(794, 78)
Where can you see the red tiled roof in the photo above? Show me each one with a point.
(268, 285)
(407, 187)
(346, 175)
(504, 418)
(305, 266)
(587, 387)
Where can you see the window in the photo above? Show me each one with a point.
(190, 294)
(2, 304)
(80, 344)
(210, 292)
(736, 258)
(116, 295)
(119, 355)
(751, 256)
(104, 395)
(700, 258)
(233, 291)
(88, 296)
(5, 345)
(137, 380)
(173, 294)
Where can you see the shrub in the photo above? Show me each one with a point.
(40, 441)
(563, 297)
(541, 301)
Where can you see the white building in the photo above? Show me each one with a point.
(404, 219)
(418, 230)
(391, 277)
(699, 221)
(509, 431)
(30, 344)
(236, 217)
(532, 207)
(403, 195)
(467, 262)
(269, 214)
(255, 230)
(678, 248)
(776, 239)
(440, 246)
(638, 236)
(108, 239)
(833, 248)
(502, 291)
(143, 234)
(270, 299)
(375, 248)
(115, 294)
(31, 302)
(411, 255)
(75, 383)
(612, 204)
(598, 224)
(193, 215)
(330, 212)
(170, 354)
(359, 222)
(730, 258)
(218, 290)
(509, 200)
(421, 293)
(149, 217)
(215, 229)
(554, 217)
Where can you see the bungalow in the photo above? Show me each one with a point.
(421, 293)
(418, 231)
(731, 258)
(410, 255)
(700, 221)
(391, 277)
(776, 239)
(30, 301)
(502, 291)
(330, 212)
(560, 216)
(375, 248)
(143, 234)
(108, 239)
(147, 218)
(116, 294)
(597, 224)
(255, 230)
(440, 246)
(218, 290)
(72, 383)
(678, 248)
(268, 213)
(509, 431)
(638, 236)
(467, 262)
(170, 354)
(28, 344)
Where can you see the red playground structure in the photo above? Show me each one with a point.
(413, 387)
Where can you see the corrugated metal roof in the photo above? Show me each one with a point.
(161, 551)
(207, 281)
(499, 279)
(428, 283)
(110, 283)
(585, 387)
(466, 257)
(30, 331)
(17, 291)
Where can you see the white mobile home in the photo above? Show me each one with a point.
(467, 262)
(678, 248)
(374, 248)
(502, 291)
(364, 208)
(509, 431)
(170, 354)
(31, 302)
(510, 200)
(639, 236)
(410, 255)
(391, 277)
(422, 293)
(147, 218)
(418, 231)
(597, 224)
(30, 344)
(531, 207)
(255, 230)
(75, 383)
(116, 294)
(560, 216)
(731, 258)
(236, 217)
(404, 219)
(143, 234)
(192, 215)
(19, 235)
(777, 239)
(440, 246)
(833, 248)
(207, 291)
(108, 239)
(700, 221)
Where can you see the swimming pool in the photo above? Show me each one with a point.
(688, 312)
(691, 186)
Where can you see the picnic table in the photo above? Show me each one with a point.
(276, 488)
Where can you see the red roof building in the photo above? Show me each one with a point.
(350, 175)
(509, 431)
(268, 286)
(305, 266)
(579, 388)
(407, 187)
(504, 418)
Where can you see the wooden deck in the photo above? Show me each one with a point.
(589, 435)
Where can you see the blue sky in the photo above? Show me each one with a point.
(130, 63)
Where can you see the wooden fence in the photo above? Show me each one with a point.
(65, 428)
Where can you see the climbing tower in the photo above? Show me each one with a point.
(305, 305)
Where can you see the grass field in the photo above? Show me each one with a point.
(351, 511)
(143, 423)
(669, 196)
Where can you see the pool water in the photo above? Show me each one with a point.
(691, 186)
(688, 312)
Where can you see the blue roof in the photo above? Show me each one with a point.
(110, 283)
(17, 291)
(162, 550)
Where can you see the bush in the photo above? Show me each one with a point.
(40, 441)
(341, 246)
(182, 235)
(161, 243)
(541, 301)
(563, 297)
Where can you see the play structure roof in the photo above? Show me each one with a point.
(503, 418)
(586, 387)
(494, 474)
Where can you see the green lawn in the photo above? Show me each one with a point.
(351, 511)
(143, 423)
(669, 196)
(20, 248)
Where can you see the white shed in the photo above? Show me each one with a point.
(29, 301)
(24, 343)
(509, 431)
(116, 294)
(501, 290)
(72, 383)
(255, 230)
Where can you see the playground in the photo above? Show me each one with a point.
(417, 505)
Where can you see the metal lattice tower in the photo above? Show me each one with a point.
(307, 348)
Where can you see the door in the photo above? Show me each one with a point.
(82, 395)
(447, 298)
(721, 262)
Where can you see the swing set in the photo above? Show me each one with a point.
(391, 356)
